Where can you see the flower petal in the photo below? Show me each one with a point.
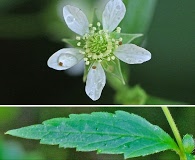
(113, 13)
(132, 54)
(96, 80)
(76, 20)
(64, 58)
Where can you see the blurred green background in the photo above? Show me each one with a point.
(20, 149)
(31, 31)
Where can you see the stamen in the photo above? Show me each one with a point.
(120, 39)
(94, 56)
(92, 31)
(85, 59)
(89, 55)
(78, 38)
(101, 31)
(98, 44)
(98, 24)
(94, 67)
(60, 64)
(116, 42)
(113, 57)
(108, 51)
(82, 52)
(118, 30)
(87, 62)
(87, 50)
(109, 43)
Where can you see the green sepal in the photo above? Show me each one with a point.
(86, 70)
(127, 38)
(95, 18)
(71, 42)
(113, 68)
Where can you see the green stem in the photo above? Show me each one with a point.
(175, 132)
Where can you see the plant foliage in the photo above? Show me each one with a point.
(119, 133)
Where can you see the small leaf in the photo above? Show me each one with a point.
(127, 38)
(188, 143)
(190, 156)
(113, 68)
(108, 133)
(71, 42)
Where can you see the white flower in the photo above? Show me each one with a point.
(96, 45)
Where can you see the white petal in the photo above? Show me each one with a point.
(77, 69)
(64, 59)
(96, 80)
(76, 20)
(132, 54)
(113, 13)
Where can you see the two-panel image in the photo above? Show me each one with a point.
(97, 80)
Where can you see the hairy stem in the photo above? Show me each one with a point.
(175, 132)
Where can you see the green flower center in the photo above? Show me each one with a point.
(98, 45)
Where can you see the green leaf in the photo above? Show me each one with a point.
(138, 16)
(113, 68)
(127, 38)
(105, 132)
(188, 143)
(71, 42)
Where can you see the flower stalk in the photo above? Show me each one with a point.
(175, 132)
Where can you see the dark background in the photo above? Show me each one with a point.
(25, 49)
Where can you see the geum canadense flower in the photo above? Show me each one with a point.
(97, 46)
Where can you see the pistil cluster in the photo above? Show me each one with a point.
(98, 44)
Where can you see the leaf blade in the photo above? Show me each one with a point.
(109, 133)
